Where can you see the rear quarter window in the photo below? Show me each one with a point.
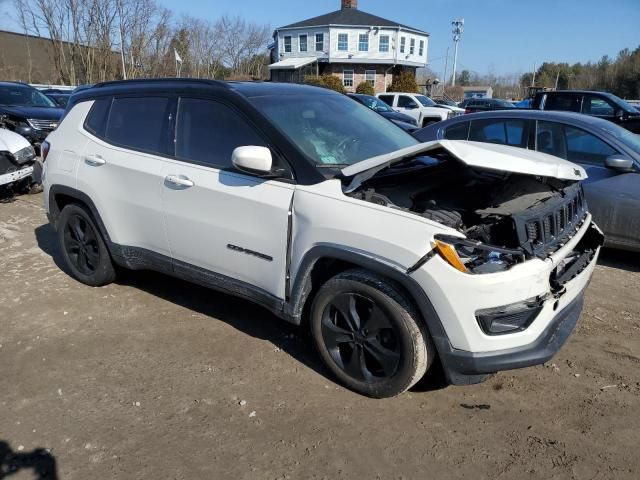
(97, 118)
(459, 131)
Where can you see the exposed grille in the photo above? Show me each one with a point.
(42, 124)
(540, 230)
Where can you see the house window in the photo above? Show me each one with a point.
(403, 43)
(384, 43)
(347, 78)
(287, 44)
(302, 39)
(343, 42)
(421, 53)
(319, 42)
(370, 76)
(363, 42)
(412, 46)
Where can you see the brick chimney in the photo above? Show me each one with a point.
(349, 4)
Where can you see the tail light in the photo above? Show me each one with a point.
(44, 150)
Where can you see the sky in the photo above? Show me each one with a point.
(501, 36)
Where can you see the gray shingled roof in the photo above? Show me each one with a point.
(349, 16)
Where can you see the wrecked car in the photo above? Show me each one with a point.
(17, 162)
(394, 253)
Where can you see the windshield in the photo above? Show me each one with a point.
(630, 139)
(332, 130)
(375, 104)
(504, 104)
(425, 101)
(23, 96)
(622, 103)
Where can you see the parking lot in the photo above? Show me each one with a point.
(152, 377)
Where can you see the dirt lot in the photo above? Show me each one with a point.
(156, 378)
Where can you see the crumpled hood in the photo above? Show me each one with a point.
(474, 154)
(12, 142)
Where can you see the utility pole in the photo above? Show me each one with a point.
(124, 68)
(446, 66)
(458, 28)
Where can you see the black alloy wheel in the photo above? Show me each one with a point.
(360, 337)
(81, 245)
(369, 334)
(83, 248)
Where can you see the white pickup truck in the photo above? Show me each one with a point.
(420, 107)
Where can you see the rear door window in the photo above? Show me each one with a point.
(388, 99)
(139, 123)
(550, 139)
(565, 102)
(501, 131)
(459, 131)
(207, 132)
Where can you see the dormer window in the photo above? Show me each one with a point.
(319, 42)
(287, 44)
(363, 42)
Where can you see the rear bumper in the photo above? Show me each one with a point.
(463, 367)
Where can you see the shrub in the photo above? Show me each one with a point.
(404, 82)
(365, 88)
(327, 81)
(333, 82)
(314, 80)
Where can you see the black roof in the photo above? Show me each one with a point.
(349, 16)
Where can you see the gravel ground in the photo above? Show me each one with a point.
(152, 377)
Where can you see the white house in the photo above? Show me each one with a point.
(349, 43)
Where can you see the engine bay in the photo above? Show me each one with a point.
(503, 209)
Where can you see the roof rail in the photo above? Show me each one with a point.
(159, 80)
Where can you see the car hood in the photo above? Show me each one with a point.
(397, 116)
(41, 113)
(12, 142)
(474, 154)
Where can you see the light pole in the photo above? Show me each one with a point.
(458, 28)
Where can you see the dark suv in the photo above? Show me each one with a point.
(598, 104)
(472, 105)
(28, 111)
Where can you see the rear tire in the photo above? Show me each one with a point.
(369, 335)
(83, 248)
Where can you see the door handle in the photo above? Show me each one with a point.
(178, 181)
(94, 160)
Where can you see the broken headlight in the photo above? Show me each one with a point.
(469, 256)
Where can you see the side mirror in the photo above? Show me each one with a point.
(252, 159)
(619, 162)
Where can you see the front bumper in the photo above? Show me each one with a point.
(16, 176)
(467, 367)
(467, 352)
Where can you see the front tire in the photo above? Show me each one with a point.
(368, 334)
(83, 248)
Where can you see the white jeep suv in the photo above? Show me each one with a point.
(395, 253)
(424, 110)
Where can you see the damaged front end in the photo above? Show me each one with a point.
(505, 216)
